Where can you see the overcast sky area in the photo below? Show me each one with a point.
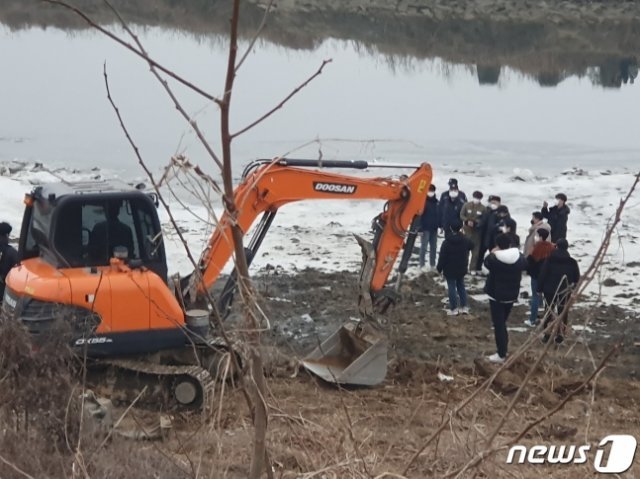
(54, 108)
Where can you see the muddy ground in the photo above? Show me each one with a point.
(307, 307)
(366, 432)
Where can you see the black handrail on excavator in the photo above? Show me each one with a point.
(353, 164)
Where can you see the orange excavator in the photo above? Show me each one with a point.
(93, 259)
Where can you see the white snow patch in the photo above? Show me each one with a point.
(519, 329)
(445, 378)
(280, 300)
(579, 327)
(325, 228)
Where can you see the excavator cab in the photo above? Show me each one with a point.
(71, 234)
(85, 229)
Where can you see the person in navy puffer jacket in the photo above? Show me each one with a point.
(449, 210)
(429, 228)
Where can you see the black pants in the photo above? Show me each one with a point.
(556, 306)
(499, 315)
(481, 253)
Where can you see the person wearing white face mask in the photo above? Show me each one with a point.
(487, 225)
(537, 222)
(502, 214)
(557, 216)
(471, 215)
(449, 210)
(429, 229)
(507, 227)
(453, 188)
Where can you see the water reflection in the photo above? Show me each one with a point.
(614, 73)
(550, 43)
(480, 100)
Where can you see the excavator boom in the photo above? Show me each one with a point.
(269, 186)
(357, 352)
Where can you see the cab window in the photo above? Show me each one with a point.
(88, 233)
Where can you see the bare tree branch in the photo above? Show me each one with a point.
(283, 102)
(15, 468)
(259, 459)
(590, 274)
(196, 270)
(128, 46)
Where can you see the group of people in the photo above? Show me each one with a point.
(472, 229)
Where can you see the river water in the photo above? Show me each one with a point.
(366, 104)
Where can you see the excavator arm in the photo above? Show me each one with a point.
(266, 186)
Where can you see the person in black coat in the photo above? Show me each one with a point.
(8, 255)
(557, 278)
(508, 227)
(453, 263)
(557, 216)
(429, 221)
(502, 213)
(505, 265)
(449, 210)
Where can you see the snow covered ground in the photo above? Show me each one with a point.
(319, 234)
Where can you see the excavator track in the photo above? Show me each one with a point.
(168, 386)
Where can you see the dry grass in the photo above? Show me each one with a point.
(41, 422)
(309, 435)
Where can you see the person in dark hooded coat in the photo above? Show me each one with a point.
(495, 223)
(453, 262)
(505, 265)
(558, 276)
(508, 227)
(487, 225)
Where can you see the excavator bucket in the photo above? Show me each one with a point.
(356, 354)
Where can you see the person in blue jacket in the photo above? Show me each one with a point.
(429, 229)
